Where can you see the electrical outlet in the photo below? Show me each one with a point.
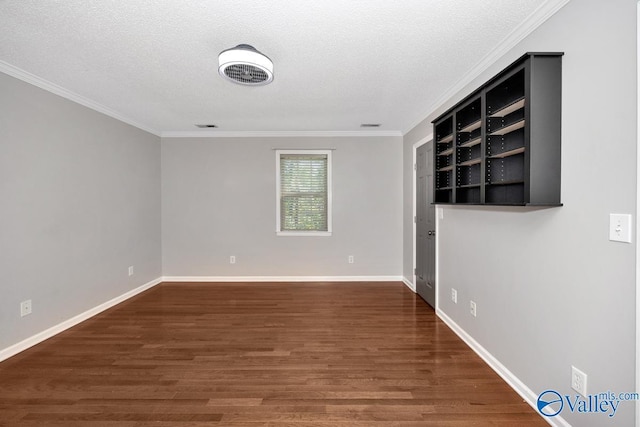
(25, 308)
(579, 381)
(472, 308)
(131, 270)
(454, 296)
(351, 261)
(232, 259)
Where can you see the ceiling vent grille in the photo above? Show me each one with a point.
(244, 65)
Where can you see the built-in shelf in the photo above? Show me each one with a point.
(471, 162)
(446, 139)
(471, 143)
(508, 129)
(503, 141)
(507, 153)
(471, 127)
(508, 109)
(445, 161)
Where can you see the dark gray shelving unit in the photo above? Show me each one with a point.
(501, 144)
(444, 162)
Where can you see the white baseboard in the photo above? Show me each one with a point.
(514, 382)
(282, 278)
(54, 330)
(409, 284)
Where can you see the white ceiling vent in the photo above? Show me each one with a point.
(244, 65)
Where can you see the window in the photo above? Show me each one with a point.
(303, 188)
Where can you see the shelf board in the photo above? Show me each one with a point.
(508, 129)
(471, 127)
(471, 143)
(446, 152)
(506, 182)
(470, 162)
(446, 168)
(510, 108)
(503, 203)
(507, 153)
(444, 188)
(446, 139)
(469, 186)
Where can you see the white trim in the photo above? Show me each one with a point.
(278, 134)
(303, 233)
(537, 18)
(54, 330)
(25, 76)
(326, 233)
(637, 214)
(409, 284)
(514, 382)
(253, 279)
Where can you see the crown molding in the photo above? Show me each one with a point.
(276, 134)
(27, 77)
(537, 18)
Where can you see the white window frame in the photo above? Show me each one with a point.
(279, 232)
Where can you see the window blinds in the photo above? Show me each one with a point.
(303, 192)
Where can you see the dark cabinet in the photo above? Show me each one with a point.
(501, 144)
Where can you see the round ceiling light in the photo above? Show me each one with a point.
(244, 65)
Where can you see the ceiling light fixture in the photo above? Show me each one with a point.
(370, 125)
(244, 65)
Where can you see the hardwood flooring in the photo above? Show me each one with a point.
(260, 354)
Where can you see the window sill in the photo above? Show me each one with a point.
(304, 233)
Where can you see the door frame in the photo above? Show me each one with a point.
(420, 143)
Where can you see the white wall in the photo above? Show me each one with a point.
(80, 203)
(551, 290)
(218, 199)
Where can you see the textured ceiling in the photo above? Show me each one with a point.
(337, 63)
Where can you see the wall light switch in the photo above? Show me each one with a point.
(620, 228)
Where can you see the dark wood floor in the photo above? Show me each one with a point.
(274, 354)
